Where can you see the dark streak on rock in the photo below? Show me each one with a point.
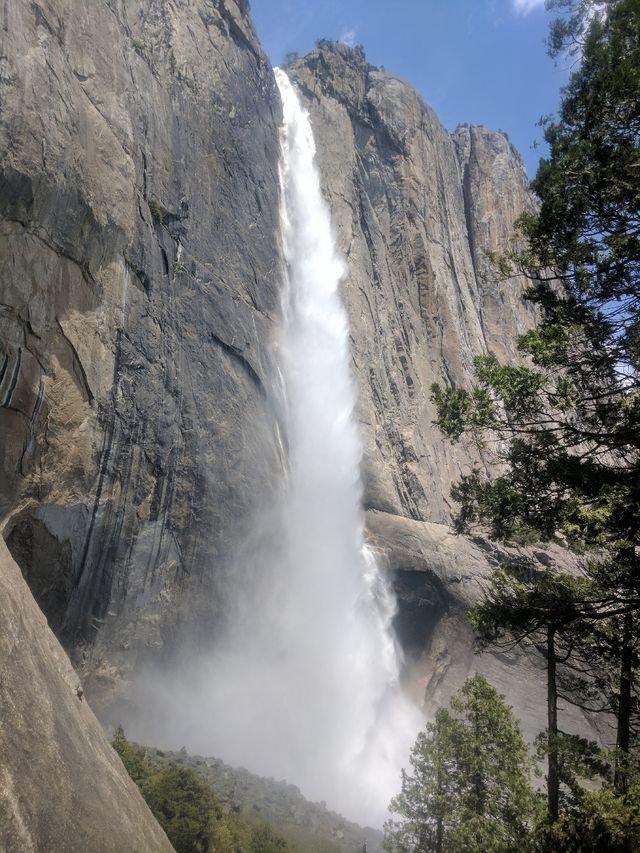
(3, 369)
(239, 356)
(39, 399)
(14, 379)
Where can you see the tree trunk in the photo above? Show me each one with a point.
(621, 779)
(553, 782)
(477, 780)
(440, 787)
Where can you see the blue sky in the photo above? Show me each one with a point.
(477, 61)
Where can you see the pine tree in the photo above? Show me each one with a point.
(565, 423)
(469, 788)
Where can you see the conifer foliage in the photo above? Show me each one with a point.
(186, 807)
(469, 788)
(562, 427)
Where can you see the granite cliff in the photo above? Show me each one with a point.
(62, 787)
(139, 282)
(140, 288)
(139, 294)
(417, 211)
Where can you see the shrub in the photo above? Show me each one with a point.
(186, 807)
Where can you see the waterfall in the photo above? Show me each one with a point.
(341, 667)
(303, 682)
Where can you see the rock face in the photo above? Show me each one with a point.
(438, 577)
(417, 210)
(139, 297)
(49, 737)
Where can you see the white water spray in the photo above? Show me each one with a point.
(304, 685)
(348, 728)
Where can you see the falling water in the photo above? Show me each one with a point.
(352, 726)
(304, 684)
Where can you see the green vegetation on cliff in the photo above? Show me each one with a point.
(234, 809)
(186, 807)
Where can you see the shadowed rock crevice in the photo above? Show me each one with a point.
(46, 566)
(422, 601)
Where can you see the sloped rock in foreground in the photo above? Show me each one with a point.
(48, 734)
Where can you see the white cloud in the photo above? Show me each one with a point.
(523, 7)
(348, 37)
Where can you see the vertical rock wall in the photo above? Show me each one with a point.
(139, 300)
(417, 211)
